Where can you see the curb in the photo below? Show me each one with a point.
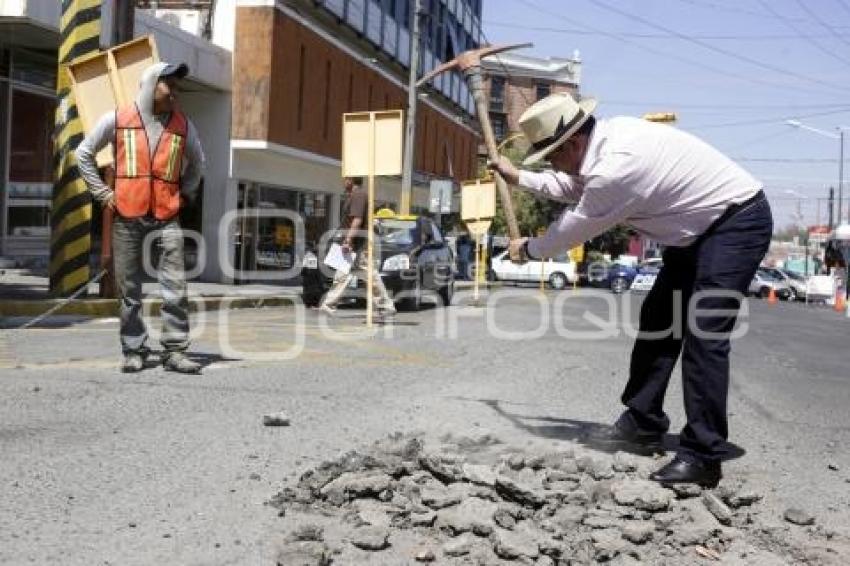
(101, 308)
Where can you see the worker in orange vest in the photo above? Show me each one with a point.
(158, 162)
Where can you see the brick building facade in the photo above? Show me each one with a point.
(515, 82)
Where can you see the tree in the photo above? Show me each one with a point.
(534, 213)
(614, 242)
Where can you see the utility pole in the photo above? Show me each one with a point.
(410, 128)
(123, 17)
(830, 206)
(123, 21)
(841, 175)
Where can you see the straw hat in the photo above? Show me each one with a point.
(551, 121)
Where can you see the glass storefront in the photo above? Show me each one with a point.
(27, 107)
(30, 177)
(265, 241)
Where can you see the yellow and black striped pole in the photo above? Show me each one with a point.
(71, 212)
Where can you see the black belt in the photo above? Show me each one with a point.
(730, 211)
(734, 209)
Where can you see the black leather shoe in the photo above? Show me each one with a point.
(624, 430)
(702, 473)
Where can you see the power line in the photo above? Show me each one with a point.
(783, 160)
(774, 120)
(727, 106)
(497, 59)
(822, 23)
(788, 22)
(666, 54)
(785, 131)
(716, 49)
(723, 7)
(775, 37)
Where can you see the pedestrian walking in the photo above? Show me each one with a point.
(716, 223)
(158, 162)
(354, 216)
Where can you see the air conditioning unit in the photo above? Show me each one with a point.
(190, 21)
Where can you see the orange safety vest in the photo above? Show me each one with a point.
(145, 186)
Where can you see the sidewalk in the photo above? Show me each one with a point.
(24, 293)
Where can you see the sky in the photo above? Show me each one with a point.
(734, 71)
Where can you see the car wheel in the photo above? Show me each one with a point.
(413, 302)
(447, 293)
(558, 281)
(764, 292)
(619, 285)
(792, 295)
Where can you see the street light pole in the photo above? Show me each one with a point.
(410, 128)
(841, 176)
(840, 138)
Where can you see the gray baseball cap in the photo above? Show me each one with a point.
(178, 71)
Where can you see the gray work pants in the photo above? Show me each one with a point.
(128, 236)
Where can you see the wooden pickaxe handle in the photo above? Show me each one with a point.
(469, 62)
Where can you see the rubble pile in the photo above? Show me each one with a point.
(476, 501)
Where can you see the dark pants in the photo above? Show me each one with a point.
(715, 272)
(128, 236)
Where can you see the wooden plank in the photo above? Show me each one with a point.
(130, 61)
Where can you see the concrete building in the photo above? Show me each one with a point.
(516, 81)
(298, 66)
(29, 41)
(267, 92)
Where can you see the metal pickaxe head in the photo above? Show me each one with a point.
(469, 59)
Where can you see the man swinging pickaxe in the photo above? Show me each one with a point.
(469, 62)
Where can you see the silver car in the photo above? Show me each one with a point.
(763, 282)
(796, 282)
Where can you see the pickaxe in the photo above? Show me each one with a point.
(469, 62)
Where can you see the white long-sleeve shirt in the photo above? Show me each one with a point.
(661, 181)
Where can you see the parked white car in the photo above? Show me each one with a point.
(558, 272)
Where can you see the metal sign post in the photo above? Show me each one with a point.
(381, 154)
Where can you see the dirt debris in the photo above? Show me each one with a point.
(475, 501)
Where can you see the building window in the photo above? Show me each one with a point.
(543, 90)
(301, 63)
(405, 14)
(30, 161)
(500, 130)
(497, 94)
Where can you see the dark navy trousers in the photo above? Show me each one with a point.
(691, 310)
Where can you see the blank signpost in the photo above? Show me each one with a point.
(477, 210)
(371, 146)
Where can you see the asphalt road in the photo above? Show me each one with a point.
(103, 468)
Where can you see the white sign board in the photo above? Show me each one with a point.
(358, 128)
(478, 200)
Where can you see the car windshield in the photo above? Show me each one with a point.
(766, 275)
(398, 232)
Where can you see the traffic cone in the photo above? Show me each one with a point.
(840, 301)
(771, 297)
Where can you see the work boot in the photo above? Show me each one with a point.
(177, 361)
(133, 362)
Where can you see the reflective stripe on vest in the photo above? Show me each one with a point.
(148, 184)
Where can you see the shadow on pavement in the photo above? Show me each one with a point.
(204, 358)
(593, 435)
(53, 321)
